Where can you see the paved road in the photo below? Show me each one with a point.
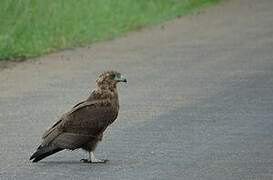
(198, 105)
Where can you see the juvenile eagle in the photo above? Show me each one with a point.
(83, 126)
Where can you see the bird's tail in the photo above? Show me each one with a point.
(44, 151)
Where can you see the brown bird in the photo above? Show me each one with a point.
(83, 126)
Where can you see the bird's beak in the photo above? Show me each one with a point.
(121, 79)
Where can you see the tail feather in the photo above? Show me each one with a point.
(42, 152)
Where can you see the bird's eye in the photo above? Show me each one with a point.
(112, 76)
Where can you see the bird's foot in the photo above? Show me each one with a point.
(85, 161)
(94, 161)
(99, 160)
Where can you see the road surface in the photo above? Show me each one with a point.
(198, 103)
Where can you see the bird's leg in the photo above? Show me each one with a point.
(87, 160)
(93, 159)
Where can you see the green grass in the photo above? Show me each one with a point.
(29, 28)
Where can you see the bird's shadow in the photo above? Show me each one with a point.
(57, 163)
(68, 163)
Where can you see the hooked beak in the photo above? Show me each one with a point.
(121, 79)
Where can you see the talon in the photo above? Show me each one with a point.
(100, 161)
(94, 161)
(85, 161)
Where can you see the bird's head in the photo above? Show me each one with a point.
(109, 79)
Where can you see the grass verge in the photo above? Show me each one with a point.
(29, 28)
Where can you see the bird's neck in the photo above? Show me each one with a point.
(104, 92)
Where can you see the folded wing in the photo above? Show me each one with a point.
(85, 121)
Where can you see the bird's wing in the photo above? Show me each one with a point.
(50, 130)
(82, 123)
(90, 117)
(78, 104)
(55, 130)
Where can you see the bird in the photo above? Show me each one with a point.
(82, 127)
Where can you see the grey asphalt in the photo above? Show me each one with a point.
(198, 103)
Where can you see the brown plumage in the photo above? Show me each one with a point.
(83, 126)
